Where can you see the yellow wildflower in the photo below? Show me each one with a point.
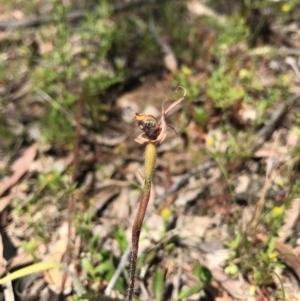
(273, 256)
(277, 211)
(165, 213)
(210, 141)
(244, 73)
(186, 70)
(285, 8)
(84, 62)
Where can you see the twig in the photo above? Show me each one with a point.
(118, 271)
(266, 132)
(71, 197)
(268, 182)
(178, 275)
(75, 15)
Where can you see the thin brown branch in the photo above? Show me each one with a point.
(266, 132)
(73, 16)
(67, 256)
(136, 231)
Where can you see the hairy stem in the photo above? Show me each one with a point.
(150, 158)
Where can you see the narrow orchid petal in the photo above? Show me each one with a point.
(141, 140)
(163, 132)
(175, 103)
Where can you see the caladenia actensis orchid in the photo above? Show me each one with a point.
(154, 133)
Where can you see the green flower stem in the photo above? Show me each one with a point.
(150, 158)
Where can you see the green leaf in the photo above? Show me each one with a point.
(185, 293)
(271, 246)
(158, 284)
(203, 274)
(121, 239)
(34, 268)
(86, 264)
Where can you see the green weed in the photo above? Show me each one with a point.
(203, 275)
(192, 85)
(224, 89)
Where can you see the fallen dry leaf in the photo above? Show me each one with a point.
(18, 261)
(19, 167)
(169, 57)
(120, 208)
(46, 164)
(199, 9)
(216, 290)
(290, 218)
(236, 288)
(103, 198)
(193, 228)
(5, 201)
(55, 276)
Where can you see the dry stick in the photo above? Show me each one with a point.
(150, 158)
(266, 132)
(71, 197)
(268, 182)
(74, 15)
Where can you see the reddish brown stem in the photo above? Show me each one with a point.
(71, 201)
(136, 231)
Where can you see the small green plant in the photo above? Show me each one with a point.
(224, 89)
(184, 78)
(30, 247)
(201, 116)
(99, 264)
(55, 74)
(158, 284)
(232, 33)
(205, 278)
(98, 29)
(120, 237)
(258, 262)
(54, 180)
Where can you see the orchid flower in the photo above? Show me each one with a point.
(154, 133)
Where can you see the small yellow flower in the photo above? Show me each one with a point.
(165, 213)
(273, 256)
(286, 79)
(186, 70)
(277, 211)
(252, 290)
(281, 234)
(49, 177)
(210, 141)
(84, 62)
(285, 8)
(279, 181)
(244, 73)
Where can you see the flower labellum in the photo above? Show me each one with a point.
(154, 131)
